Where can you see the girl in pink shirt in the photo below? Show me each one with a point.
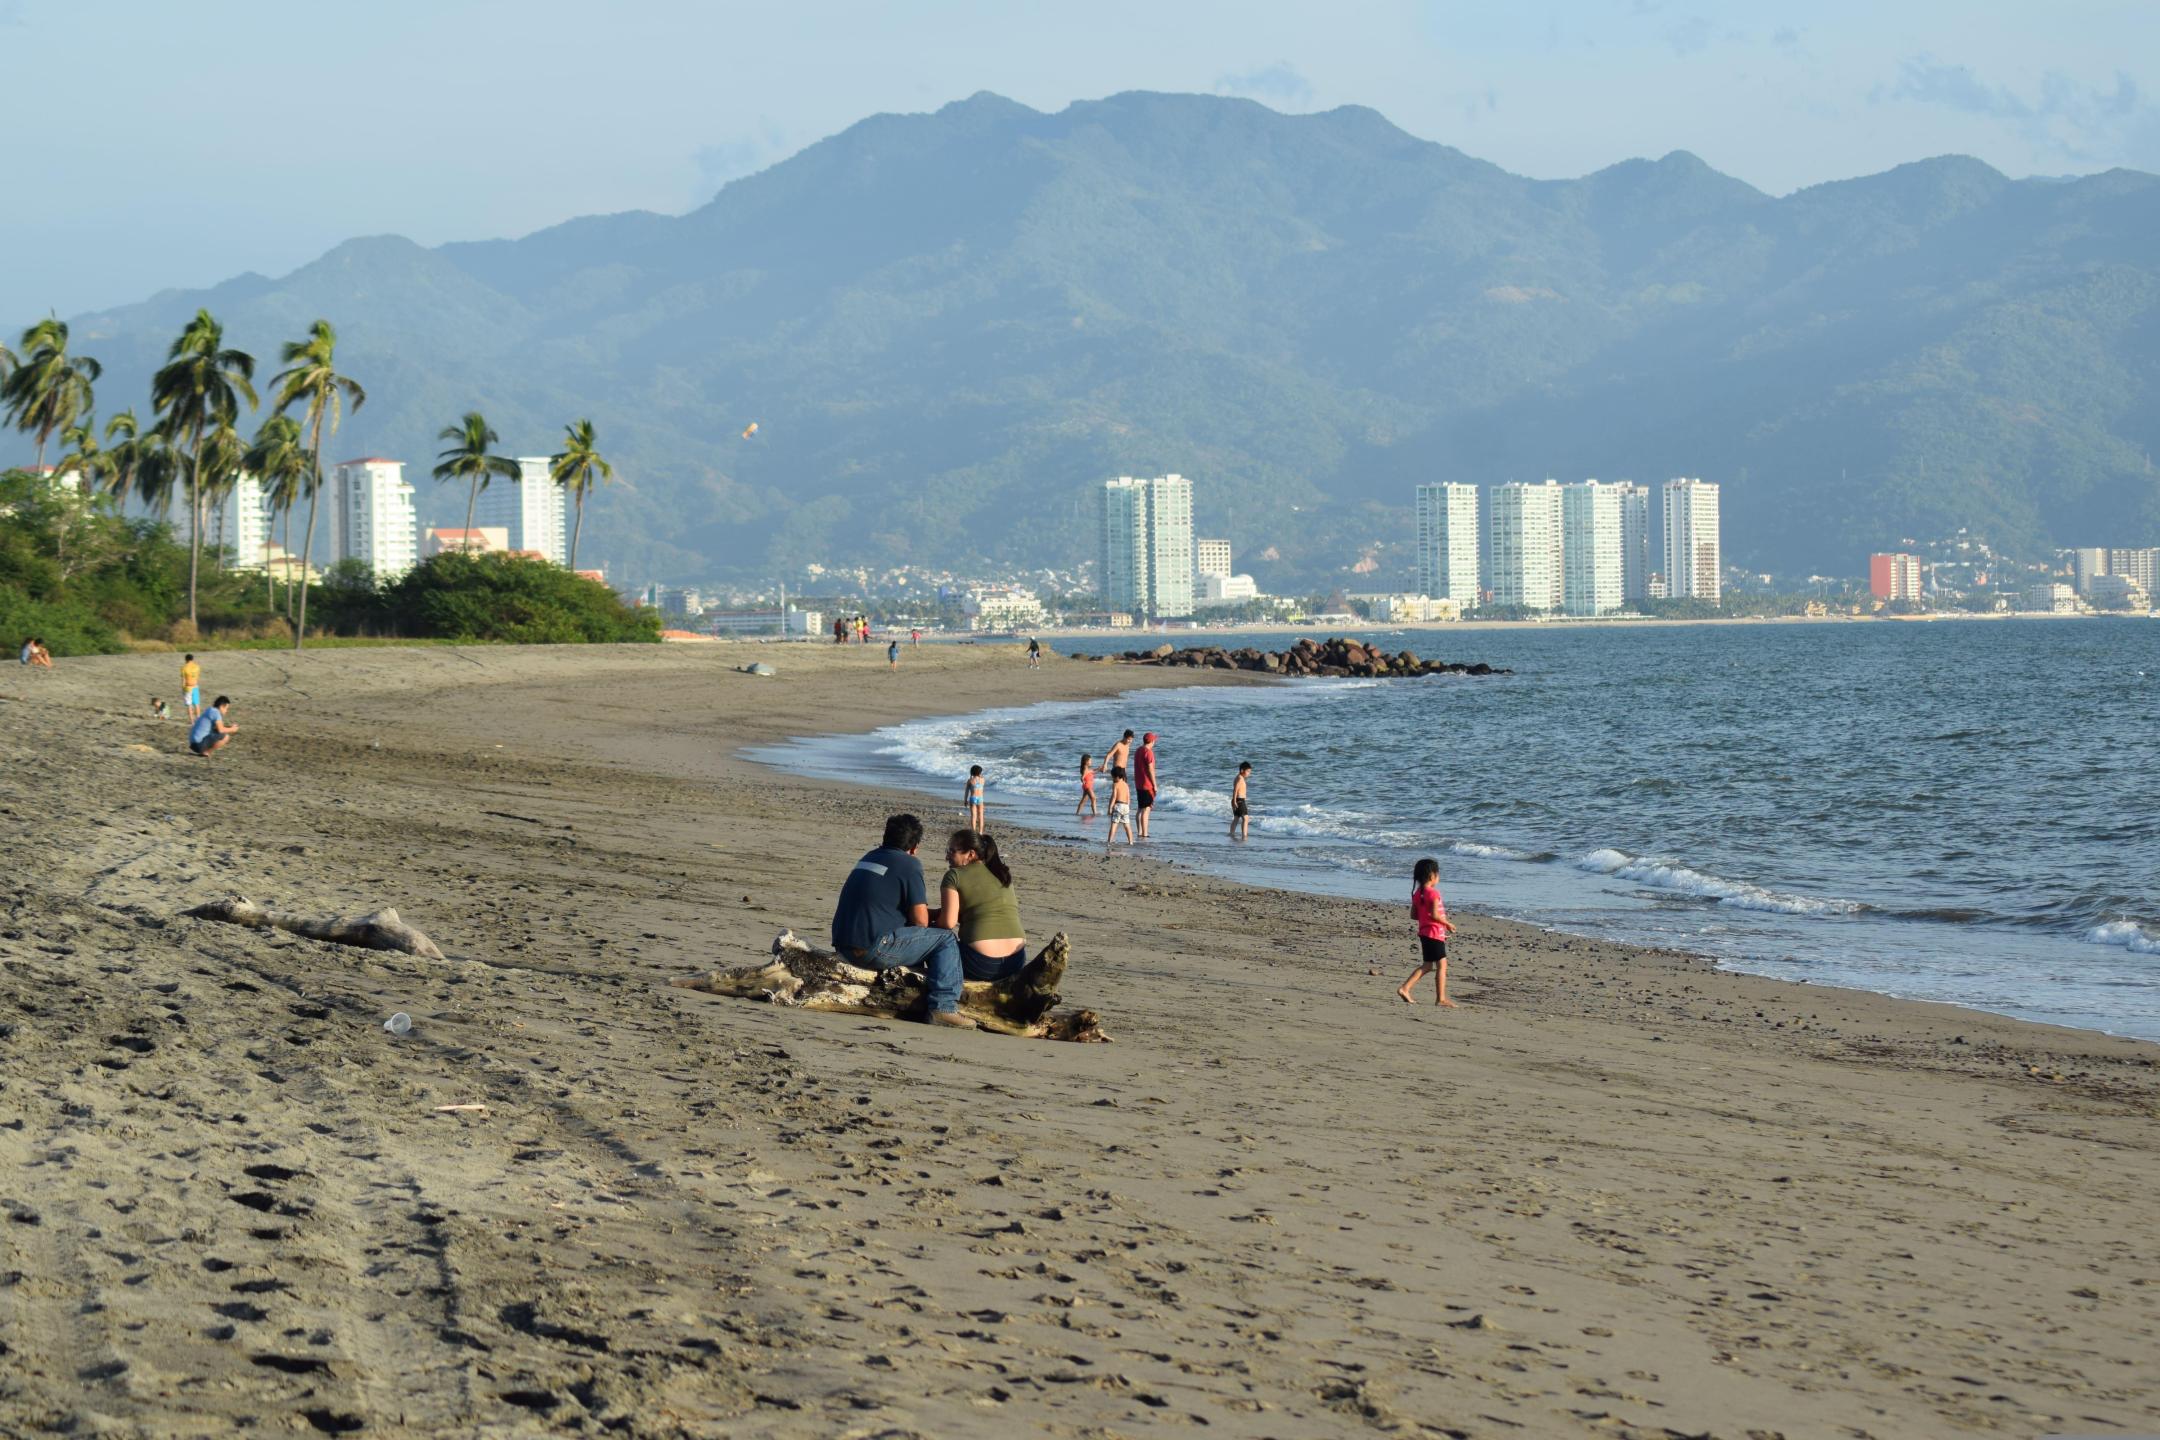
(1433, 929)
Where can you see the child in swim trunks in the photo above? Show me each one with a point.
(1120, 809)
(1240, 810)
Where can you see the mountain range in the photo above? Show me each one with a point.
(951, 327)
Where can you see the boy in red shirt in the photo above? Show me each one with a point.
(1430, 912)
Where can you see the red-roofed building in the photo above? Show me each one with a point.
(477, 541)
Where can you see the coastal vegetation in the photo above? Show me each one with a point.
(91, 561)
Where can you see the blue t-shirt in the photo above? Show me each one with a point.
(204, 727)
(876, 899)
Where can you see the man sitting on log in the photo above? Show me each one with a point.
(883, 921)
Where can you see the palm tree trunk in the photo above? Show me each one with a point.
(288, 562)
(195, 524)
(307, 546)
(472, 498)
(577, 528)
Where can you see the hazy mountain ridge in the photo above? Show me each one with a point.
(951, 325)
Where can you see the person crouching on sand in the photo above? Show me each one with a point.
(210, 734)
(1433, 929)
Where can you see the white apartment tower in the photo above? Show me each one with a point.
(1147, 545)
(376, 523)
(1692, 558)
(1526, 538)
(533, 508)
(240, 522)
(1211, 557)
(1447, 542)
(1592, 526)
(1634, 541)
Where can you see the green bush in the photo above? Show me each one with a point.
(510, 598)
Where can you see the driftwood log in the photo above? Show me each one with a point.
(382, 930)
(814, 978)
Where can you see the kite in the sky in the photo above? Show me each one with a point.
(751, 430)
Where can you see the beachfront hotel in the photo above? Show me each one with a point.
(1894, 576)
(1211, 557)
(376, 524)
(1147, 546)
(1591, 525)
(1526, 538)
(1447, 542)
(532, 508)
(238, 520)
(1692, 560)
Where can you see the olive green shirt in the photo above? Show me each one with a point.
(988, 910)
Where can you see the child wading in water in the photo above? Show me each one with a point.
(1087, 786)
(971, 799)
(1241, 803)
(1430, 912)
(1120, 809)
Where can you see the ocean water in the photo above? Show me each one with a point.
(1965, 812)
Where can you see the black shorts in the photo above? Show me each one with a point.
(1238, 810)
(1431, 951)
(1145, 800)
(201, 747)
(1117, 772)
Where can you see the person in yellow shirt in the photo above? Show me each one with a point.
(191, 686)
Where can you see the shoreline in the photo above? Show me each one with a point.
(1619, 1192)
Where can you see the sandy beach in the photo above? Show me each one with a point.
(1618, 1193)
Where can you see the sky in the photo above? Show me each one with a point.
(179, 145)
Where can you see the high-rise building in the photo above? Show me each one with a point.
(2087, 565)
(1634, 540)
(1447, 542)
(1894, 576)
(239, 521)
(1526, 545)
(1147, 545)
(1211, 557)
(376, 523)
(1592, 579)
(1693, 562)
(533, 508)
(2138, 566)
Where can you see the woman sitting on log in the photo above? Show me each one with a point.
(979, 903)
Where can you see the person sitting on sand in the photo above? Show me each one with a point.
(1430, 912)
(210, 734)
(158, 708)
(40, 657)
(882, 921)
(976, 901)
(22, 656)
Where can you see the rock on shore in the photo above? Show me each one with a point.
(1339, 656)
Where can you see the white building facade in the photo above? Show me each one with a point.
(1211, 557)
(239, 521)
(376, 523)
(533, 508)
(1592, 522)
(1447, 543)
(1526, 530)
(1002, 607)
(1635, 567)
(1147, 545)
(1217, 591)
(1693, 560)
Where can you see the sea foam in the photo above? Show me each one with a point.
(1734, 894)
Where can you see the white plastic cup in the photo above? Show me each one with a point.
(398, 1024)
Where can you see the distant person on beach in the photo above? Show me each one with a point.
(1034, 653)
(862, 628)
(882, 921)
(1118, 755)
(839, 630)
(40, 657)
(1087, 786)
(892, 656)
(157, 707)
(210, 734)
(1120, 809)
(914, 637)
(1433, 929)
(976, 901)
(191, 686)
(971, 797)
(29, 648)
(1143, 773)
(1240, 806)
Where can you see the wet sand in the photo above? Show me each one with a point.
(1618, 1193)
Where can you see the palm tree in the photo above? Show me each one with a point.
(311, 379)
(85, 457)
(221, 460)
(125, 457)
(157, 470)
(198, 389)
(279, 460)
(467, 459)
(47, 389)
(578, 469)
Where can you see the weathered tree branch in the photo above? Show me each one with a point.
(814, 978)
(382, 930)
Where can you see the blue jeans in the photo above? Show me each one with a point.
(978, 966)
(936, 950)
